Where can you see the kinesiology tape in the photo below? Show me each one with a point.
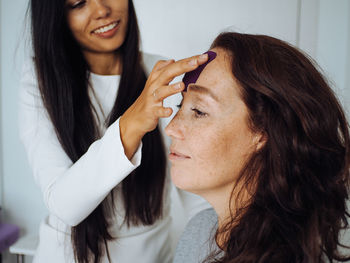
(192, 76)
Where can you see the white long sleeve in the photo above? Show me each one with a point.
(71, 191)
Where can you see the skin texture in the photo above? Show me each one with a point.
(210, 136)
(191, 77)
(84, 17)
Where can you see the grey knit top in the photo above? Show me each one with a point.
(197, 240)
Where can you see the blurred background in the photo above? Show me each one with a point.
(174, 29)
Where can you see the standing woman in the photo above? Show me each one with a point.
(87, 115)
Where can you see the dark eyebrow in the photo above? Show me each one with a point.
(203, 90)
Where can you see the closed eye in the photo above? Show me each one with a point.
(77, 4)
(198, 113)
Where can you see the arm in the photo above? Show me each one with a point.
(73, 191)
(70, 191)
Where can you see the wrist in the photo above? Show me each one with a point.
(129, 129)
(130, 137)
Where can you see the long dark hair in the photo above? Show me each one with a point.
(63, 79)
(298, 181)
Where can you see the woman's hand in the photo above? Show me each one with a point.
(143, 115)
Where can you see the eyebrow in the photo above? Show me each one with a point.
(203, 90)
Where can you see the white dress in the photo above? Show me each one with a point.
(71, 191)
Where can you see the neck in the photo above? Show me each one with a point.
(226, 204)
(104, 63)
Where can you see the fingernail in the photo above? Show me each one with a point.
(177, 86)
(193, 62)
(203, 57)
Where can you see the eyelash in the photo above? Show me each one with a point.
(198, 113)
(78, 4)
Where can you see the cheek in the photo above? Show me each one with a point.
(218, 156)
(212, 145)
(208, 148)
(76, 24)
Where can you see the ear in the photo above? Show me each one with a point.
(260, 139)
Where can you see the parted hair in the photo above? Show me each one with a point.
(298, 180)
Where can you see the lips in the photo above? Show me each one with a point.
(106, 28)
(176, 155)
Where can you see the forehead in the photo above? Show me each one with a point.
(217, 76)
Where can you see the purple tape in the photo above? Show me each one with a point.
(192, 76)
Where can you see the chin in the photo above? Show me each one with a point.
(180, 179)
(185, 181)
(104, 45)
(110, 47)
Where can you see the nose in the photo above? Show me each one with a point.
(175, 129)
(101, 8)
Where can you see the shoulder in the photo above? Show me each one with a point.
(28, 81)
(202, 225)
(205, 218)
(28, 69)
(197, 240)
(149, 60)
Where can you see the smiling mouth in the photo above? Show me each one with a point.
(106, 28)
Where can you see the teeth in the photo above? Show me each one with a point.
(106, 28)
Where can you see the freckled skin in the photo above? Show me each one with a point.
(93, 14)
(218, 144)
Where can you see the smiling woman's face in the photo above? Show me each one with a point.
(98, 25)
(211, 139)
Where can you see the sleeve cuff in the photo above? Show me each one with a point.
(136, 159)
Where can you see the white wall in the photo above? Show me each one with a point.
(1, 170)
(325, 36)
(333, 45)
(22, 200)
(183, 28)
(174, 29)
(347, 85)
(308, 26)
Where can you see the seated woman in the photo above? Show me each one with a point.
(262, 137)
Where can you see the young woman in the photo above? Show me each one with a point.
(88, 121)
(262, 137)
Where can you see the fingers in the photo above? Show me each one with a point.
(166, 91)
(162, 112)
(161, 64)
(157, 88)
(172, 70)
